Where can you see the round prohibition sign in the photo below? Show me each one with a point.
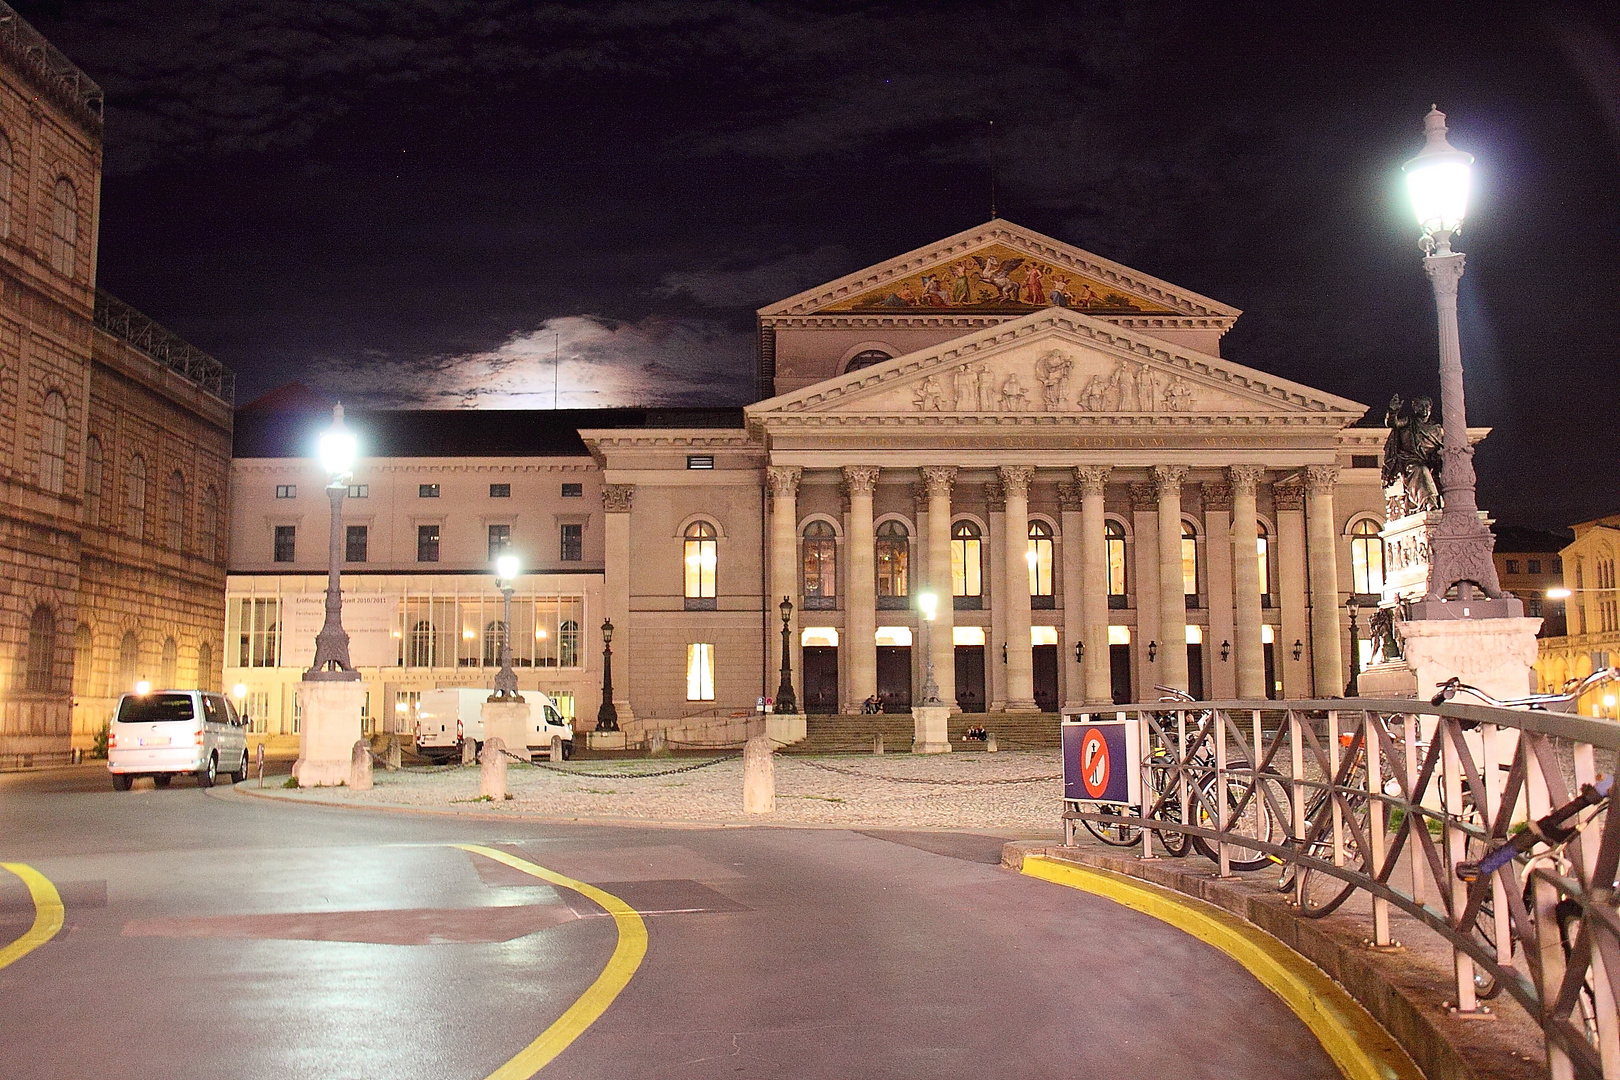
(1094, 764)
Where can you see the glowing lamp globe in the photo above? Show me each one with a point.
(1437, 180)
(143, 687)
(239, 691)
(928, 603)
(507, 567)
(1559, 594)
(337, 447)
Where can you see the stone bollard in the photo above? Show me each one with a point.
(492, 770)
(877, 743)
(759, 776)
(469, 751)
(657, 745)
(391, 762)
(556, 748)
(360, 766)
(990, 742)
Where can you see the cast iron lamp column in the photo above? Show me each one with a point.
(928, 604)
(785, 701)
(337, 450)
(1437, 179)
(1353, 687)
(607, 717)
(506, 687)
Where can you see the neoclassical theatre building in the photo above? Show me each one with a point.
(1049, 442)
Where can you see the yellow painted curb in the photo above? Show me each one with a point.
(48, 913)
(626, 958)
(1357, 1043)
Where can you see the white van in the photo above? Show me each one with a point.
(446, 717)
(168, 732)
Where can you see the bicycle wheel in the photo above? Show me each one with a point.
(1176, 844)
(1321, 893)
(1114, 833)
(1256, 821)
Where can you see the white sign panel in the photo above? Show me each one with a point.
(370, 619)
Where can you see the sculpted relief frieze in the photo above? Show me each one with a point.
(1056, 382)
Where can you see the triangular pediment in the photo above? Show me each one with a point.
(1058, 364)
(1001, 269)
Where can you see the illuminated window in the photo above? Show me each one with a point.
(893, 551)
(256, 624)
(820, 562)
(967, 568)
(53, 429)
(702, 555)
(700, 672)
(1189, 559)
(1040, 558)
(65, 227)
(1262, 547)
(1114, 540)
(1367, 556)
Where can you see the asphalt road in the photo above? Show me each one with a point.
(209, 934)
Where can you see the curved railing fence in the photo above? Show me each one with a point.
(1408, 806)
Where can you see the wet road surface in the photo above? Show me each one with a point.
(209, 934)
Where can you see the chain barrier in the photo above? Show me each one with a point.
(548, 766)
(924, 780)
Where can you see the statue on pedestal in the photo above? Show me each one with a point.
(1412, 453)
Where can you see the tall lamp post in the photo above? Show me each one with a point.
(928, 604)
(337, 449)
(1437, 179)
(506, 686)
(1353, 687)
(786, 703)
(607, 717)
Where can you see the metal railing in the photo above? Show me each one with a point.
(163, 346)
(58, 76)
(1385, 800)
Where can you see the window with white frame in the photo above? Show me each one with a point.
(1189, 559)
(967, 566)
(1114, 541)
(701, 558)
(1366, 556)
(1040, 558)
(700, 672)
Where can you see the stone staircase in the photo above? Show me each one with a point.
(853, 733)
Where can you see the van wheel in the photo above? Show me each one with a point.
(121, 781)
(162, 779)
(241, 774)
(209, 772)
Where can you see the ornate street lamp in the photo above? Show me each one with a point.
(1460, 549)
(928, 604)
(1079, 651)
(785, 701)
(1153, 651)
(1353, 687)
(337, 449)
(506, 687)
(607, 717)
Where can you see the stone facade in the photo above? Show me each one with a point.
(1592, 615)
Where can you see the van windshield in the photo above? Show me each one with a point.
(155, 708)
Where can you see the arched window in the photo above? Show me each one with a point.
(65, 227)
(168, 669)
(420, 650)
(1040, 559)
(176, 511)
(865, 359)
(820, 565)
(1189, 559)
(129, 662)
(92, 480)
(208, 524)
(1367, 556)
(492, 643)
(53, 429)
(205, 666)
(1114, 541)
(84, 661)
(701, 558)
(893, 551)
(42, 649)
(1262, 548)
(135, 498)
(568, 643)
(967, 565)
(5, 186)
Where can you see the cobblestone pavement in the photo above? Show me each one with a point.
(961, 792)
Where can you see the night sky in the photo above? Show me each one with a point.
(415, 202)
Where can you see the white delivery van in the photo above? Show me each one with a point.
(446, 717)
(167, 732)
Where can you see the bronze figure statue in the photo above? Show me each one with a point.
(1412, 453)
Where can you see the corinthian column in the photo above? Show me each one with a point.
(860, 610)
(1015, 593)
(783, 482)
(1251, 656)
(1094, 582)
(937, 481)
(1322, 555)
(616, 500)
(1172, 593)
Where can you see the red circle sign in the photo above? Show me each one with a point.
(1094, 764)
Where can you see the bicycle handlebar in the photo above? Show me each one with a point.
(1570, 694)
(1549, 830)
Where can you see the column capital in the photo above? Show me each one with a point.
(995, 496)
(1070, 497)
(860, 479)
(1143, 498)
(1216, 495)
(1445, 271)
(1015, 479)
(1289, 494)
(1167, 479)
(1244, 478)
(783, 480)
(616, 498)
(937, 479)
(1091, 478)
(1319, 479)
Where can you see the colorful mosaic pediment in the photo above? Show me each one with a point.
(998, 280)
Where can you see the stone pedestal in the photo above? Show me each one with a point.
(360, 766)
(1496, 655)
(785, 728)
(928, 734)
(759, 776)
(492, 770)
(507, 721)
(327, 731)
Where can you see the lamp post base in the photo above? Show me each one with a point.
(327, 731)
(929, 734)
